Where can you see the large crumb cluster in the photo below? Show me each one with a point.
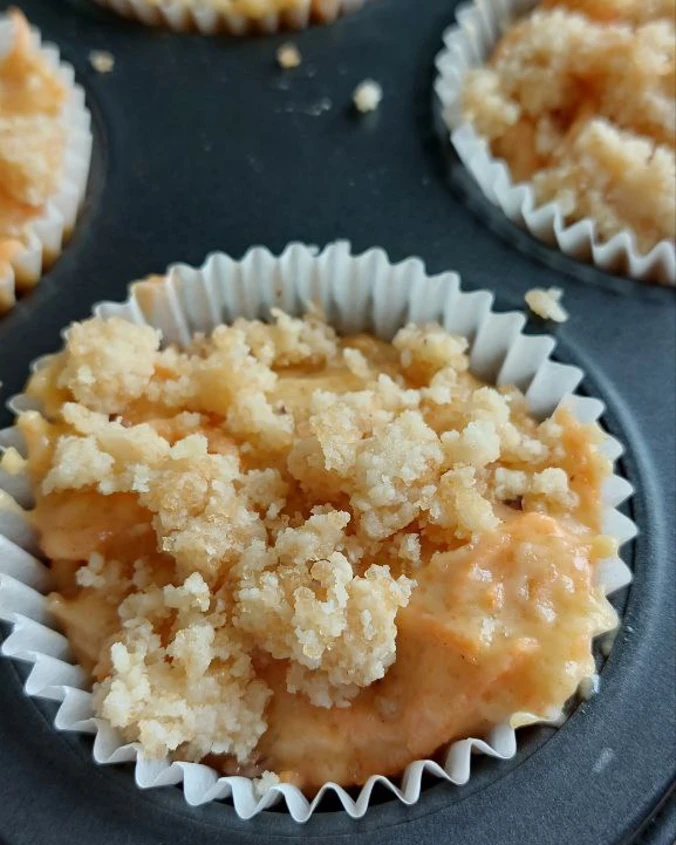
(580, 99)
(266, 498)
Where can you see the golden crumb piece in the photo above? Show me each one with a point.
(102, 61)
(546, 303)
(261, 538)
(288, 56)
(367, 96)
(148, 674)
(579, 98)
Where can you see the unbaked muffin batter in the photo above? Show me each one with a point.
(324, 557)
(579, 98)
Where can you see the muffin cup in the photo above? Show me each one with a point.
(357, 293)
(468, 45)
(207, 20)
(46, 234)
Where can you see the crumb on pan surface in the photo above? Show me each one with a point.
(579, 98)
(288, 56)
(32, 139)
(367, 96)
(546, 303)
(283, 551)
(102, 61)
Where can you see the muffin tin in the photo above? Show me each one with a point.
(203, 144)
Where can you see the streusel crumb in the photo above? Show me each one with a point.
(243, 523)
(580, 99)
(102, 61)
(367, 96)
(546, 303)
(288, 56)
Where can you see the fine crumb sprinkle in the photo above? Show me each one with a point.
(102, 61)
(289, 56)
(367, 96)
(546, 303)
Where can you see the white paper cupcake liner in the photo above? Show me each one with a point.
(467, 45)
(358, 293)
(46, 234)
(203, 17)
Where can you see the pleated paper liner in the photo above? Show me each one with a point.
(468, 45)
(210, 18)
(357, 293)
(45, 236)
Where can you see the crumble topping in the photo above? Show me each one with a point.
(250, 515)
(172, 694)
(579, 98)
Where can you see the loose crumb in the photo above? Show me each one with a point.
(263, 783)
(367, 96)
(546, 303)
(289, 56)
(102, 61)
